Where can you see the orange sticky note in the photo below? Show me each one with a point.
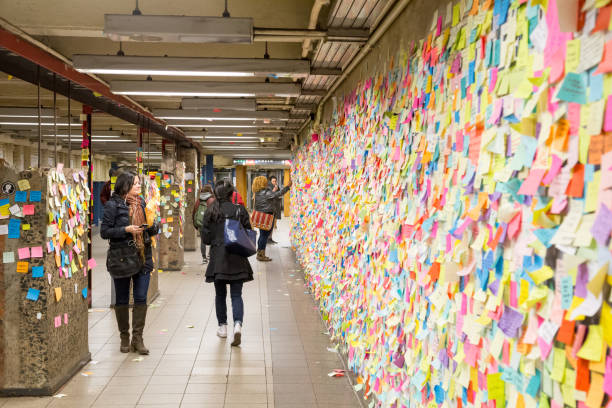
(596, 149)
(606, 62)
(575, 187)
(566, 332)
(58, 294)
(22, 267)
(603, 19)
(596, 391)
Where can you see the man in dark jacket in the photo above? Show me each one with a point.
(265, 203)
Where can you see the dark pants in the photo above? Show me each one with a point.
(203, 250)
(237, 303)
(141, 287)
(263, 239)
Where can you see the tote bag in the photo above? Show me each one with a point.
(262, 220)
(237, 239)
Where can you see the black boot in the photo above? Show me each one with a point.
(122, 312)
(139, 316)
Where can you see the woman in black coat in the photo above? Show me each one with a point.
(123, 224)
(226, 268)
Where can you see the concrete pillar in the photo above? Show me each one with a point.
(287, 197)
(18, 158)
(190, 157)
(8, 154)
(241, 182)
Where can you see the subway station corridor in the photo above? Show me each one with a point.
(283, 361)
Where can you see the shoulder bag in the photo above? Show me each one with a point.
(123, 261)
(237, 239)
(262, 220)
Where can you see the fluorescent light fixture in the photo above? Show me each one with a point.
(78, 135)
(188, 29)
(31, 124)
(201, 114)
(229, 124)
(186, 66)
(200, 125)
(206, 89)
(219, 104)
(230, 138)
(11, 112)
(229, 147)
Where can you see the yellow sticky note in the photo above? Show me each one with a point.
(23, 184)
(4, 210)
(542, 274)
(58, 294)
(596, 284)
(606, 323)
(572, 55)
(592, 191)
(25, 227)
(592, 348)
(496, 387)
(558, 371)
(456, 14)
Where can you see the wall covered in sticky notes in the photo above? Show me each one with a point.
(453, 216)
(43, 274)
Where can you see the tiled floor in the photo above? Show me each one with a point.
(283, 361)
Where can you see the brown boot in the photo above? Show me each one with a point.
(139, 316)
(265, 258)
(122, 312)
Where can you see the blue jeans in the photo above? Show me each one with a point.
(263, 239)
(237, 303)
(141, 287)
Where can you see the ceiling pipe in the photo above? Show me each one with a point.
(312, 24)
(385, 23)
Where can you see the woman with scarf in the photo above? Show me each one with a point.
(125, 223)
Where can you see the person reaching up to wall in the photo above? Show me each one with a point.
(226, 268)
(265, 202)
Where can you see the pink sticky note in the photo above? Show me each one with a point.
(608, 117)
(557, 65)
(37, 252)
(608, 376)
(532, 182)
(555, 167)
(493, 80)
(28, 209)
(573, 116)
(91, 263)
(60, 167)
(558, 205)
(65, 318)
(58, 321)
(396, 154)
(24, 253)
(439, 27)
(606, 62)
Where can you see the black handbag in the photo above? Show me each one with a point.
(237, 239)
(123, 261)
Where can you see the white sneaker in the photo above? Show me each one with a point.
(222, 331)
(237, 334)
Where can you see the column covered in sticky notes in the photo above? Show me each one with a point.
(43, 296)
(191, 193)
(172, 213)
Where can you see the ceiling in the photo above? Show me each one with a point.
(71, 27)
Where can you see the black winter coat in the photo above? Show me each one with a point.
(116, 218)
(223, 265)
(265, 200)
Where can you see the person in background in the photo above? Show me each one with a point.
(237, 198)
(265, 202)
(105, 194)
(199, 209)
(226, 268)
(124, 218)
(277, 211)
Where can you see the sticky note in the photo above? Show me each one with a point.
(58, 294)
(91, 263)
(592, 349)
(84, 293)
(573, 88)
(23, 184)
(35, 196)
(22, 267)
(8, 257)
(57, 321)
(33, 294)
(21, 196)
(24, 253)
(25, 227)
(28, 209)
(36, 252)
(38, 271)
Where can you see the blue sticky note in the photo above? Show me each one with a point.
(21, 196)
(38, 271)
(84, 293)
(14, 228)
(595, 87)
(33, 294)
(545, 235)
(35, 196)
(4, 201)
(573, 88)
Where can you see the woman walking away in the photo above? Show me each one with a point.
(265, 202)
(124, 225)
(199, 209)
(226, 268)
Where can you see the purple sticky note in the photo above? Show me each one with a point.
(582, 279)
(510, 322)
(603, 225)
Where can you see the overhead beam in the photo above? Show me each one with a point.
(314, 92)
(220, 104)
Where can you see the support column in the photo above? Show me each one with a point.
(209, 170)
(189, 157)
(86, 161)
(27, 158)
(241, 182)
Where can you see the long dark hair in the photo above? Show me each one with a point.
(223, 192)
(124, 183)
